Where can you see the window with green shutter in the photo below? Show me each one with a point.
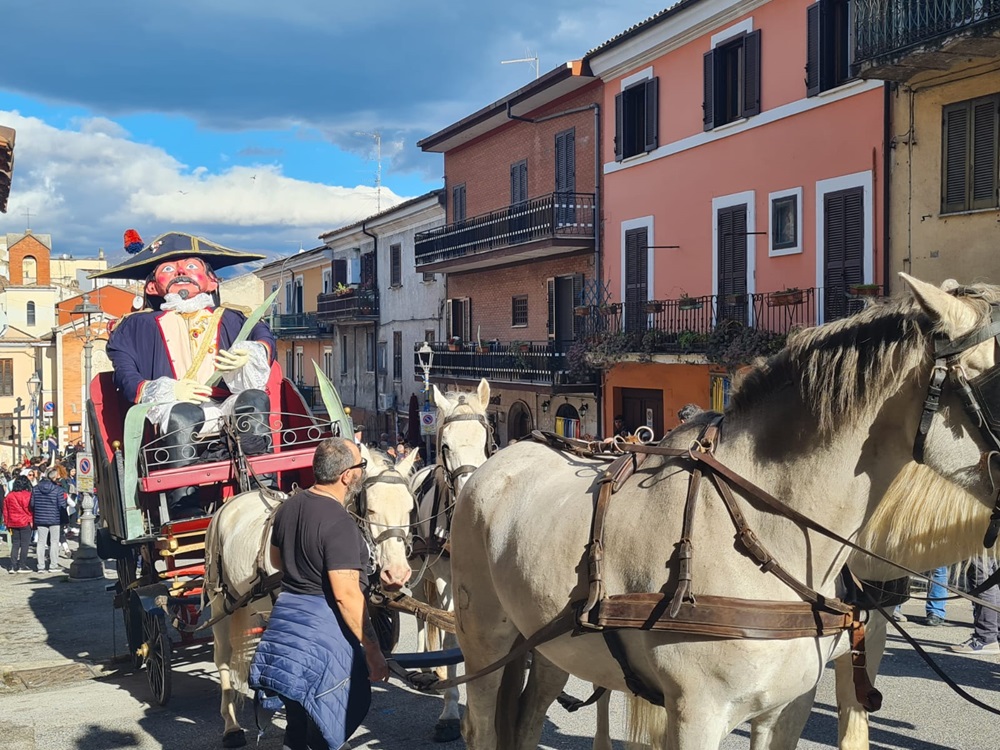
(6, 377)
(969, 154)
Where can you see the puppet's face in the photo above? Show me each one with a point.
(185, 276)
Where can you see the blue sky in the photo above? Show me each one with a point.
(243, 120)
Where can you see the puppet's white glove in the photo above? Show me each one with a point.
(230, 361)
(191, 391)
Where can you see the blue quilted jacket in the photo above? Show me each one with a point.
(47, 498)
(305, 655)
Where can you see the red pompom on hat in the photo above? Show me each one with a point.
(133, 242)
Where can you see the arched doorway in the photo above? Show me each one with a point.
(518, 421)
(568, 421)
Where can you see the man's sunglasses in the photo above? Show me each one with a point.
(363, 465)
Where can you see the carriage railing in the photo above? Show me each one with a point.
(281, 431)
(686, 324)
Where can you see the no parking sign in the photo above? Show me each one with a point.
(428, 423)
(84, 473)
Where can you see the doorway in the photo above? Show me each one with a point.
(518, 421)
(642, 407)
(843, 250)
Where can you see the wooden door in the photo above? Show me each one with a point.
(731, 227)
(643, 406)
(844, 246)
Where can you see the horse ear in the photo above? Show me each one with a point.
(438, 398)
(405, 466)
(483, 391)
(365, 453)
(952, 315)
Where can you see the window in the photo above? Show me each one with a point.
(328, 361)
(519, 182)
(732, 80)
(519, 310)
(31, 313)
(395, 265)
(565, 153)
(458, 318)
(636, 267)
(785, 229)
(6, 377)
(429, 336)
(382, 357)
(828, 47)
(288, 297)
(327, 280)
(429, 277)
(397, 355)
(969, 159)
(7, 428)
(300, 365)
(29, 270)
(636, 119)
(290, 365)
(370, 351)
(458, 203)
(344, 360)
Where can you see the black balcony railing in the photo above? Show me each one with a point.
(559, 215)
(511, 362)
(295, 324)
(889, 28)
(359, 304)
(694, 324)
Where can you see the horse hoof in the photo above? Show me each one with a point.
(235, 738)
(447, 730)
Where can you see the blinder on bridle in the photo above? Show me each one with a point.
(386, 477)
(488, 447)
(980, 397)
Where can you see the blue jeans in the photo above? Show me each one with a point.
(936, 593)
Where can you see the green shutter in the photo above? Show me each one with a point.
(984, 153)
(813, 44)
(751, 74)
(708, 105)
(652, 115)
(955, 158)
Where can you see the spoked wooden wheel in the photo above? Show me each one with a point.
(386, 624)
(158, 649)
(132, 613)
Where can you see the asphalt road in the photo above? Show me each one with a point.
(77, 698)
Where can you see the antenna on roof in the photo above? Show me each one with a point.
(529, 57)
(377, 136)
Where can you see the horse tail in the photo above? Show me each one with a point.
(244, 643)
(508, 706)
(645, 724)
(211, 560)
(432, 636)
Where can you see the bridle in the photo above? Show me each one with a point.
(404, 533)
(456, 473)
(980, 397)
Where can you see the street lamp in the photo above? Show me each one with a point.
(425, 356)
(34, 387)
(86, 564)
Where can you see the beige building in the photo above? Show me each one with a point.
(943, 133)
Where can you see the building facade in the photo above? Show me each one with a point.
(519, 252)
(945, 123)
(744, 186)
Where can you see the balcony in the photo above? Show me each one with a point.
(357, 306)
(895, 40)
(728, 330)
(551, 225)
(296, 326)
(537, 362)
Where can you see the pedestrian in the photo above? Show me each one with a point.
(17, 516)
(47, 501)
(688, 412)
(619, 429)
(936, 595)
(323, 559)
(985, 621)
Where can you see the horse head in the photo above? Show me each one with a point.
(385, 506)
(465, 439)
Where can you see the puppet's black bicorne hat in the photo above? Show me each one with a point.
(174, 246)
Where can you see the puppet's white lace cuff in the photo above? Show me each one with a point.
(254, 374)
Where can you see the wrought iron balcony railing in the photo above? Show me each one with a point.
(567, 216)
(886, 30)
(357, 305)
(295, 325)
(540, 362)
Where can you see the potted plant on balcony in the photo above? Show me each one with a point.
(864, 290)
(735, 299)
(688, 303)
(455, 343)
(653, 306)
(343, 290)
(733, 345)
(790, 296)
(581, 311)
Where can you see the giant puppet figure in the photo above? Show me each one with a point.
(165, 354)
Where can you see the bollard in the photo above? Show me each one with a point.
(86, 564)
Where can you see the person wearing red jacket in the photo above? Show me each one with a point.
(17, 516)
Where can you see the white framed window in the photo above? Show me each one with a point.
(328, 361)
(784, 222)
(327, 280)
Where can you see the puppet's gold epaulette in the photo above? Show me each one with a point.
(238, 308)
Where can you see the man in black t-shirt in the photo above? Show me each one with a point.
(320, 551)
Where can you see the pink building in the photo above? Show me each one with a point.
(746, 161)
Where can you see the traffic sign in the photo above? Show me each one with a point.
(84, 473)
(49, 407)
(428, 423)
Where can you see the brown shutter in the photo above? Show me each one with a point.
(984, 153)
(550, 324)
(652, 115)
(751, 74)
(619, 126)
(636, 253)
(955, 158)
(708, 105)
(577, 302)
(339, 272)
(466, 319)
(813, 44)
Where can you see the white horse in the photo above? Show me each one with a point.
(464, 442)
(825, 426)
(237, 557)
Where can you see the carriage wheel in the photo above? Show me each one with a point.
(158, 650)
(131, 611)
(386, 624)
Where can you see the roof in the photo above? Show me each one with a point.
(555, 84)
(638, 28)
(437, 193)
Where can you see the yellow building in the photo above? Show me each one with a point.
(941, 59)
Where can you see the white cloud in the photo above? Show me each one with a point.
(85, 185)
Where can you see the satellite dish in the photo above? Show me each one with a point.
(3, 322)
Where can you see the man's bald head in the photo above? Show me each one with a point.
(333, 457)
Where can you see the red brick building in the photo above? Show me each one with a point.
(519, 251)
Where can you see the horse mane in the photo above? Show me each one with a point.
(847, 368)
